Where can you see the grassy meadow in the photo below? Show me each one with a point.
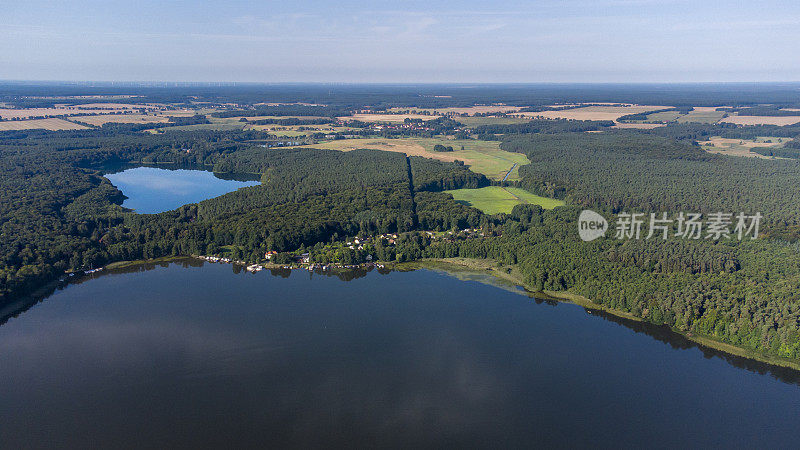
(496, 199)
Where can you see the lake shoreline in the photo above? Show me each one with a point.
(511, 274)
(508, 274)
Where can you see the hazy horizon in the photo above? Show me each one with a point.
(604, 41)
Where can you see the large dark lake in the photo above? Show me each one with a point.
(153, 190)
(195, 356)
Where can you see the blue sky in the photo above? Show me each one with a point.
(401, 41)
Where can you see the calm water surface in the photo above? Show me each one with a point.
(153, 190)
(201, 356)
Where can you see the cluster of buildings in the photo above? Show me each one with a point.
(303, 261)
(217, 259)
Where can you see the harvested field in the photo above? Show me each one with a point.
(762, 120)
(121, 118)
(478, 121)
(45, 112)
(393, 118)
(593, 112)
(46, 124)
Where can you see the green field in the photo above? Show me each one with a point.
(702, 117)
(664, 116)
(496, 199)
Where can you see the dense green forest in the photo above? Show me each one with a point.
(59, 214)
(620, 170)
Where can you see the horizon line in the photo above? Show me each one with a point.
(387, 83)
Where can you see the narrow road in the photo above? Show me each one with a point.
(411, 189)
(509, 172)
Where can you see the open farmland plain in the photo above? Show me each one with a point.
(44, 124)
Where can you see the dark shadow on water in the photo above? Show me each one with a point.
(677, 341)
(661, 333)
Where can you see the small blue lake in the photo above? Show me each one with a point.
(153, 190)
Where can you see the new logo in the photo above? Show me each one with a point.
(591, 225)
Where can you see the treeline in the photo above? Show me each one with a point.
(543, 126)
(761, 111)
(290, 121)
